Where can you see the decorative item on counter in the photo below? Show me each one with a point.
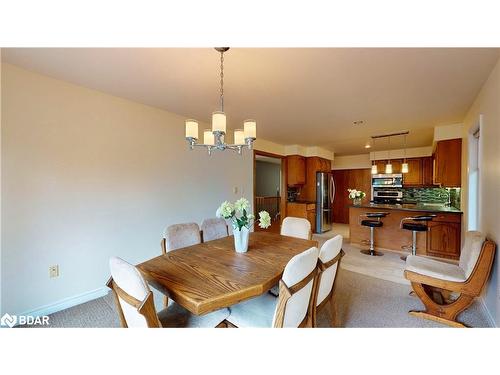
(242, 221)
(357, 196)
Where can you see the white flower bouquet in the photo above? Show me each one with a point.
(242, 221)
(356, 194)
(237, 213)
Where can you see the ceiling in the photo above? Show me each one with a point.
(305, 96)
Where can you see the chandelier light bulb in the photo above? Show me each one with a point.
(192, 129)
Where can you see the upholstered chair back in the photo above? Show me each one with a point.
(130, 281)
(328, 252)
(181, 235)
(213, 229)
(470, 252)
(296, 307)
(296, 227)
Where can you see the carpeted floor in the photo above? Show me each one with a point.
(371, 292)
(363, 302)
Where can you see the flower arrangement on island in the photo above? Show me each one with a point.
(239, 216)
(356, 195)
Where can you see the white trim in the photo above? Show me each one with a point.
(487, 312)
(66, 303)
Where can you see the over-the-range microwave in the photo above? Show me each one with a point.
(387, 180)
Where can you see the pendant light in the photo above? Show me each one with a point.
(388, 166)
(374, 166)
(404, 166)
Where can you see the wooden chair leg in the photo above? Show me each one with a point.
(165, 302)
(446, 313)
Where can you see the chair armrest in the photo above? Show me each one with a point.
(439, 283)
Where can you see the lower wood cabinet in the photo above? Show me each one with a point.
(303, 210)
(443, 239)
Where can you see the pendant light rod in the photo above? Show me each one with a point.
(390, 135)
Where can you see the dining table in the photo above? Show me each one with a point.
(211, 275)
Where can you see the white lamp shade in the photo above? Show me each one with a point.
(219, 122)
(404, 168)
(250, 128)
(208, 137)
(388, 168)
(191, 129)
(239, 137)
(374, 169)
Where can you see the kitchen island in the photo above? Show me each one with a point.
(441, 240)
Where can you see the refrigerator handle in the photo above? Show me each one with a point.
(332, 189)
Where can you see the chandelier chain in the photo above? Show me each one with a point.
(222, 81)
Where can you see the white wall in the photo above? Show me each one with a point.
(87, 175)
(0, 180)
(488, 104)
(360, 161)
(444, 132)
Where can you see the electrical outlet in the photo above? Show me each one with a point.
(54, 271)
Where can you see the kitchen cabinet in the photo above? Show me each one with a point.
(296, 170)
(396, 165)
(427, 171)
(448, 163)
(414, 177)
(359, 179)
(443, 239)
(313, 164)
(303, 210)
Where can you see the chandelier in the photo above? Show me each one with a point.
(214, 139)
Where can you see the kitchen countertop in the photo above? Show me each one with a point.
(303, 202)
(411, 207)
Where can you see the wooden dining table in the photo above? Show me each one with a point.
(211, 275)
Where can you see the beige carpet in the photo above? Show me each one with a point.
(363, 302)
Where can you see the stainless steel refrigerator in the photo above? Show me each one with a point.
(325, 193)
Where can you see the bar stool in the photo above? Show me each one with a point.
(372, 221)
(415, 224)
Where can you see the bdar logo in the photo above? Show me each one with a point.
(8, 320)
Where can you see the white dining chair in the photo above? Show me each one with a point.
(178, 236)
(213, 229)
(296, 227)
(330, 255)
(136, 309)
(293, 227)
(293, 306)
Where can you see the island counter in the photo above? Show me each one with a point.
(441, 240)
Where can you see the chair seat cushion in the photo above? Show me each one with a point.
(257, 312)
(415, 227)
(176, 316)
(434, 268)
(371, 223)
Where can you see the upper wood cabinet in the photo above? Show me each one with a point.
(448, 163)
(414, 175)
(296, 170)
(427, 171)
(313, 164)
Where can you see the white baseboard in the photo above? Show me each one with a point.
(487, 312)
(66, 303)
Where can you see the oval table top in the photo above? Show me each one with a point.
(209, 276)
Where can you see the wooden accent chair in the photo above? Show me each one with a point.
(135, 305)
(293, 306)
(296, 227)
(434, 282)
(328, 265)
(213, 229)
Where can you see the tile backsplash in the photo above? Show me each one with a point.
(433, 195)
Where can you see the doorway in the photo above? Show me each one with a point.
(269, 187)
